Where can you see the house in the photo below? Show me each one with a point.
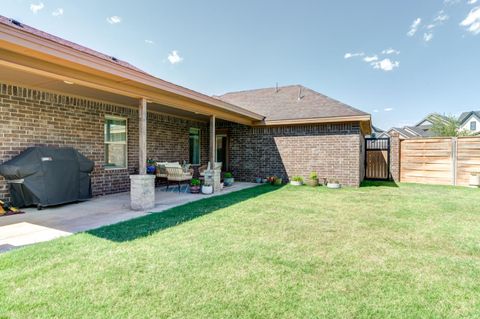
(470, 122)
(377, 133)
(421, 129)
(57, 93)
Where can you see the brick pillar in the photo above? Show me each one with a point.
(395, 156)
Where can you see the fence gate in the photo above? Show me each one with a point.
(377, 158)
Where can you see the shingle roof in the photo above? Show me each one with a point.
(290, 102)
(48, 36)
(465, 115)
(403, 132)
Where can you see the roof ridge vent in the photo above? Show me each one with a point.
(17, 23)
(114, 59)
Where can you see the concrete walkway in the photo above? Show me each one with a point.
(37, 226)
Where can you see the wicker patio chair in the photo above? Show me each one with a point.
(177, 175)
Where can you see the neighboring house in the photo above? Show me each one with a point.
(421, 129)
(470, 122)
(376, 132)
(58, 93)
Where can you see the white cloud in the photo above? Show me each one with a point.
(472, 1)
(450, 2)
(149, 42)
(441, 17)
(390, 51)
(472, 21)
(427, 37)
(385, 65)
(414, 27)
(57, 12)
(36, 7)
(370, 58)
(174, 58)
(375, 111)
(352, 55)
(114, 19)
(388, 109)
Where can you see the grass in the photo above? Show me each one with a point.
(411, 251)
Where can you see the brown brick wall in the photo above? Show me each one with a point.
(33, 118)
(395, 156)
(334, 151)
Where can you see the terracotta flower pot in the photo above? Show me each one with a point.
(195, 189)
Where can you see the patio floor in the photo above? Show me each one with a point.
(37, 226)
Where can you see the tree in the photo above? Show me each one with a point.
(448, 126)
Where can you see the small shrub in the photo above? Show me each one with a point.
(313, 175)
(297, 178)
(228, 175)
(195, 182)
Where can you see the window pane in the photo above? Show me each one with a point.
(473, 126)
(115, 155)
(115, 130)
(194, 141)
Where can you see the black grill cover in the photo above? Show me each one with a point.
(45, 176)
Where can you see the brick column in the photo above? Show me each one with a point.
(395, 157)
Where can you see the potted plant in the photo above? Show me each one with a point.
(278, 181)
(474, 179)
(151, 166)
(297, 181)
(313, 179)
(258, 180)
(207, 189)
(334, 184)
(195, 186)
(271, 179)
(228, 179)
(264, 180)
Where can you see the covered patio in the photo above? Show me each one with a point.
(39, 226)
(87, 91)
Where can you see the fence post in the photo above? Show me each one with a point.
(395, 156)
(454, 161)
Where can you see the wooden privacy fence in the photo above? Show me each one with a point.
(446, 161)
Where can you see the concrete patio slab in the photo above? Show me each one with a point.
(38, 226)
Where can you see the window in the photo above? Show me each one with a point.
(194, 141)
(473, 126)
(115, 142)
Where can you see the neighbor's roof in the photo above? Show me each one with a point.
(294, 102)
(432, 117)
(377, 129)
(466, 115)
(403, 132)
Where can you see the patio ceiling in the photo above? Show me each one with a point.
(35, 81)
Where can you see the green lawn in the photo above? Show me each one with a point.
(411, 251)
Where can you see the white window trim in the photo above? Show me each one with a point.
(113, 117)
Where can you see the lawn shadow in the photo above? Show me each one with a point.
(147, 225)
(379, 184)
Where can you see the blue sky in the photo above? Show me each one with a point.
(398, 60)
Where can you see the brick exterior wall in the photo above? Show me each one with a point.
(34, 118)
(334, 151)
(395, 156)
